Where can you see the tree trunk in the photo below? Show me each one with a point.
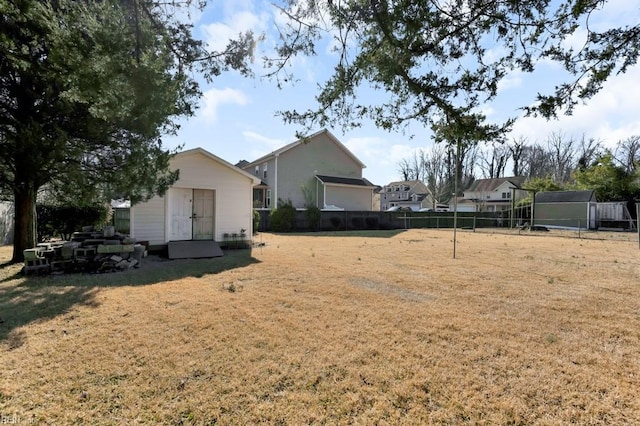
(24, 236)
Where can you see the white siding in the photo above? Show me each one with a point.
(148, 221)
(233, 198)
(233, 191)
(349, 197)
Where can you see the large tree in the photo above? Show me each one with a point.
(610, 182)
(87, 89)
(445, 58)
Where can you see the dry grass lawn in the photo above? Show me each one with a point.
(359, 328)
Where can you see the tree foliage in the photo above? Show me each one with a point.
(538, 184)
(610, 182)
(61, 221)
(87, 90)
(283, 218)
(445, 58)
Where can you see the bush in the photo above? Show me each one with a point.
(283, 219)
(256, 221)
(313, 216)
(62, 221)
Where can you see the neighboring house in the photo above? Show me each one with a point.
(211, 198)
(408, 193)
(496, 194)
(565, 209)
(317, 170)
(462, 205)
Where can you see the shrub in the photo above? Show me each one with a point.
(313, 216)
(283, 219)
(63, 221)
(256, 221)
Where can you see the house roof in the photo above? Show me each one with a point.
(415, 186)
(217, 159)
(305, 139)
(566, 197)
(345, 181)
(488, 185)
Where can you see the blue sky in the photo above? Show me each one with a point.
(236, 119)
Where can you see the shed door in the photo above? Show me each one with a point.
(181, 214)
(203, 208)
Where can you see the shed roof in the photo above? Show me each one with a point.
(566, 196)
(345, 181)
(215, 158)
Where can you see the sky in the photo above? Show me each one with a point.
(236, 119)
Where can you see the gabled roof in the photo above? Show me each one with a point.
(488, 185)
(303, 140)
(566, 197)
(217, 159)
(415, 186)
(345, 181)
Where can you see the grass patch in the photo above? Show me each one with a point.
(403, 335)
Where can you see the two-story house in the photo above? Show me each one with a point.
(411, 194)
(496, 194)
(316, 170)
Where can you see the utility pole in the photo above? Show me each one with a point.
(455, 196)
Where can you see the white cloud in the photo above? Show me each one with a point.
(609, 116)
(510, 81)
(218, 34)
(366, 147)
(268, 144)
(213, 98)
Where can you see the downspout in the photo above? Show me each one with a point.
(275, 192)
(324, 193)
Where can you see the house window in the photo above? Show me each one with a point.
(268, 198)
(264, 171)
(506, 195)
(257, 170)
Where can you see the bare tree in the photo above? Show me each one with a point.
(627, 153)
(436, 173)
(413, 167)
(493, 160)
(404, 168)
(535, 161)
(516, 149)
(562, 154)
(588, 151)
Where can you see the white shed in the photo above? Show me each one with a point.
(211, 198)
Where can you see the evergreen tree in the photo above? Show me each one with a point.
(87, 89)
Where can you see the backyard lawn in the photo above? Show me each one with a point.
(354, 328)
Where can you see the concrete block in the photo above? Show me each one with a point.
(33, 254)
